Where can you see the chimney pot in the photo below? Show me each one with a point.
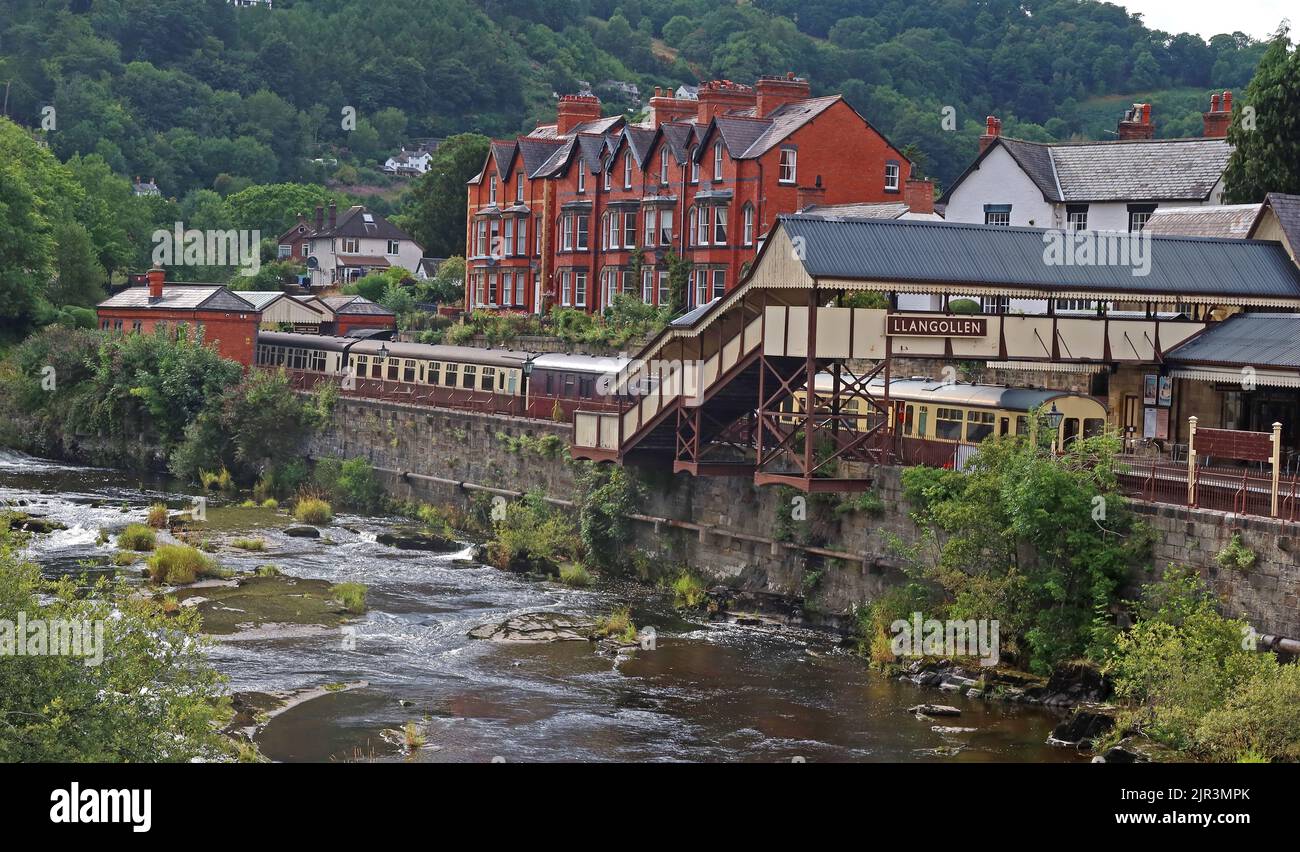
(1136, 123)
(992, 130)
(157, 277)
(1227, 101)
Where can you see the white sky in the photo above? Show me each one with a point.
(1258, 18)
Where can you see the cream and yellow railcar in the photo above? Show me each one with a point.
(302, 352)
(964, 413)
(496, 371)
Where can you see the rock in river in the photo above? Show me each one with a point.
(413, 538)
(536, 627)
(302, 532)
(934, 710)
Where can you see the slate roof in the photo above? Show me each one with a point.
(536, 151)
(678, 137)
(1260, 340)
(1223, 220)
(1124, 170)
(907, 250)
(860, 210)
(786, 119)
(503, 153)
(1287, 209)
(354, 305)
(180, 297)
(352, 223)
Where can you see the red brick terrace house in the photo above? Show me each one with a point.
(555, 217)
(227, 321)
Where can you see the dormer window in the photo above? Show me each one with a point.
(663, 170)
(492, 189)
(582, 180)
(609, 166)
(519, 188)
(627, 171)
(695, 170)
(717, 161)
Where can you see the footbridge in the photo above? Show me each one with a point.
(714, 393)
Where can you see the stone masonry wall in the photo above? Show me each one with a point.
(725, 527)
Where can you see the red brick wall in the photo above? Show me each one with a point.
(233, 335)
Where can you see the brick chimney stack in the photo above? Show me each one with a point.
(1136, 123)
(574, 110)
(334, 215)
(320, 217)
(157, 277)
(773, 92)
(810, 196)
(665, 107)
(918, 193)
(1217, 121)
(718, 97)
(992, 130)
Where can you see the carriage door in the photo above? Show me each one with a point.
(1004, 425)
(1132, 423)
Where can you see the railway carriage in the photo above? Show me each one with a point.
(559, 384)
(959, 413)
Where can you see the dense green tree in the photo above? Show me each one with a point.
(1265, 129)
(78, 277)
(435, 213)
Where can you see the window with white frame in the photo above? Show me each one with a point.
(648, 238)
(719, 283)
(702, 233)
(1074, 304)
(521, 243)
(1076, 217)
(891, 176)
(507, 286)
(394, 247)
(701, 277)
(695, 170)
(717, 161)
(997, 214)
(666, 227)
(629, 229)
(509, 241)
(648, 285)
(720, 226)
(995, 304)
(350, 245)
(582, 180)
(692, 220)
(605, 174)
(664, 287)
(492, 189)
(566, 288)
(788, 171)
(480, 239)
(566, 229)
(748, 231)
(519, 187)
(580, 289)
(627, 170)
(582, 224)
(663, 168)
(521, 279)
(492, 288)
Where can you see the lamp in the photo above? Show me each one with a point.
(383, 355)
(1054, 418)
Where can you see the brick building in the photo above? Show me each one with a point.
(562, 216)
(225, 320)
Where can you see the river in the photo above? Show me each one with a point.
(706, 692)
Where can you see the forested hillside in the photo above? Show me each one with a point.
(203, 95)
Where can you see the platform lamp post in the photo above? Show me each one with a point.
(382, 355)
(1054, 418)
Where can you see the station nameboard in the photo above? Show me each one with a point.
(913, 326)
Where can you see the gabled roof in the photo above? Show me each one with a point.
(1259, 340)
(503, 152)
(598, 126)
(1122, 170)
(181, 297)
(786, 119)
(1221, 220)
(1287, 210)
(948, 253)
(536, 151)
(357, 221)
(355, 305)
(641, 141)
(678, 138)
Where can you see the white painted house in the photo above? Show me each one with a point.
(1113, 186)
(351, 245)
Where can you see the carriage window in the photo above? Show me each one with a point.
(1094, 427)
(908, 415)
(488, 378)
(449, 379)
(979, 426)
(435, 367)
(1071, 426)
(923, 421)
(467, 377)
(360, 365)
(408, 370)
(392, 369)
(947, 424)
(377, 368)
(1022, 424)
(318, 361)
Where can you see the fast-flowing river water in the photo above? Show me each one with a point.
(706, 692)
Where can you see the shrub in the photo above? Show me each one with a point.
(313, 510)
(352, 596)
(575, 574)
(219, 481)
(1257, 722)
(351, 483)
(124, 558)
(271, 503)
(157, 516)
(1235, 556)
(136, 537)
(688, 591)
(249, 544)
(268, 571)
(178, 564)
(532, 536)
(964, 306)
(617, 625)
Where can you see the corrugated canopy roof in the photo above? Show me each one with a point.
(905, 250)
(1248, 340)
